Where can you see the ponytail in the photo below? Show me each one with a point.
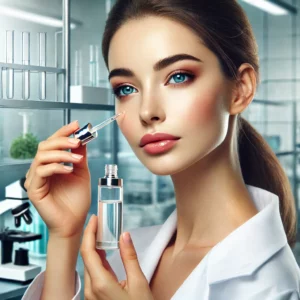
(261, 168)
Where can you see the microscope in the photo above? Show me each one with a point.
(17, 269)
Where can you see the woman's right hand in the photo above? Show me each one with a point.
(61, 197)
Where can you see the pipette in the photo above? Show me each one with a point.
(101, 125)
(87, 133)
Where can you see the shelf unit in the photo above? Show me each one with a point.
(66, 106)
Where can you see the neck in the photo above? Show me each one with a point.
(212, 200)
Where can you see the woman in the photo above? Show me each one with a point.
(188, 69)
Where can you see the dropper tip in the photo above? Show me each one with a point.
(121, 113)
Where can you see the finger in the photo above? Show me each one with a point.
(34, 180)
(81, 150)
(130, 260)
(88, 293)
(46, 157)
(42, 172)
(65, 143)
(92, 260)
(58, 144)
(46, 163)
(83, 163)
(45, 171)
(103, 282)
(123, 284)
(65, 130)
(105, 263)
(47, 145)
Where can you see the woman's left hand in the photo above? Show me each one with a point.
(100, 281)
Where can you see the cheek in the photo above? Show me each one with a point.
(125, 124)
(201, 111)
(125, 128)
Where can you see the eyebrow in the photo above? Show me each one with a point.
(161, 64)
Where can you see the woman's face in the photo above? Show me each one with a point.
(187, 98)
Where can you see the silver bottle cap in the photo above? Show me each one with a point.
(84, 134)
(111, 177)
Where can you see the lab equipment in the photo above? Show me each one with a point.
(110, 209)
(20, 269)
(90, 94)
(26, 124)
(97, 66)
(107, 7)
(25, 61)
(10, 38)
(42, 62)
(78, 68)
(87, 133)
(92, 66)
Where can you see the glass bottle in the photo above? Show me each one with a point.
(110, 209)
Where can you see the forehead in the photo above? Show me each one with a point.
(152, 37)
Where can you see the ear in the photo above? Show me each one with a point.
(244, 89)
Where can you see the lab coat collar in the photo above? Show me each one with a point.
(238, 254)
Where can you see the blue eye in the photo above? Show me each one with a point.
(126, 89)
(180, 77)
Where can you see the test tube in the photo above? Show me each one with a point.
(26, 61)
(78, 68)
(42, 63)
(10, 60)
(97, 66)
(92, 66)
(107, 7)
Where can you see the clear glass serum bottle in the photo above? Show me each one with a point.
(110, 209)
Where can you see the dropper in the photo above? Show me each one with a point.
(106, 122)
(87, 133)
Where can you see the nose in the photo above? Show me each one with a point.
(151, 111)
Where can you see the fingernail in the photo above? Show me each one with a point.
(74, 141)
(73, 122)
(77, 156)
(126, 238)
(68, 168)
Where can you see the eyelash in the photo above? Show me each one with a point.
(190, 76)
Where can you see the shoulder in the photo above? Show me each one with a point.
(277, 278)
(280, 270)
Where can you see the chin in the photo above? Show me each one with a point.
(164, 165)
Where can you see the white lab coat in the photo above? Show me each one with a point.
(254, 262)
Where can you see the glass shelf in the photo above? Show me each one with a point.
(31, 68)
(41, 104)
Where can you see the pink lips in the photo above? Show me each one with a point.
(158, 143)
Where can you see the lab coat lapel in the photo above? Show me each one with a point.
(251, 244)
(151, 256)
(239, 254)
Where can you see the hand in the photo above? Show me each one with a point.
(100, 281)
(61, 197)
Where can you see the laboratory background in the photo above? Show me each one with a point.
(52, 72)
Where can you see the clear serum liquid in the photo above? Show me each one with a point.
(110, 209)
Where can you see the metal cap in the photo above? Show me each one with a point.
(111, 176)
(84, 134)
(111, 182)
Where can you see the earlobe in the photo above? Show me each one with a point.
(244, 90)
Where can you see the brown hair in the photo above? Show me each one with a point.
(225, 29)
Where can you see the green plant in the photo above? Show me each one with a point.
(24, 147)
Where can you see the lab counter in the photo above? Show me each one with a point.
(15, 291)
